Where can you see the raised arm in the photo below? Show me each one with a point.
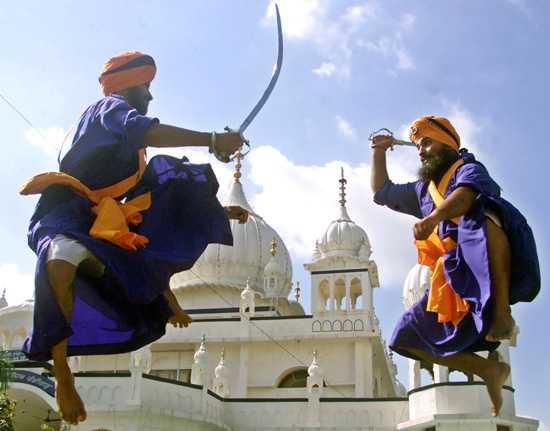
(379, 172)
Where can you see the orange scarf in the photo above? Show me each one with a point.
(112, 216)
(442, 299)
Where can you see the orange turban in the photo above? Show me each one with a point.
(437, 128)
(126, 70)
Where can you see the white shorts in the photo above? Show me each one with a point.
(73, 252)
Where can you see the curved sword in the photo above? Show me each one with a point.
(272, 82)
(276, 71)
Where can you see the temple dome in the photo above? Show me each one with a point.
(226, 266)
(343, 237)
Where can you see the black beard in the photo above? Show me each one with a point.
(136, 100)
(435, 167)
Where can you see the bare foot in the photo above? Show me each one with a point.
(235, 212)
(495, 377)
(502, 328)
(70, 404)
(180, 319)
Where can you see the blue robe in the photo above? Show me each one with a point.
(125, 308)
(467, 266)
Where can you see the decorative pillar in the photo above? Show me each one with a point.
(366, 291)
(200, 364)
(315, 375)
(248, 300)
(331, 300)
(348, 294)
(315, 378)
(242, 383)
(140, 362)
(441, 374)
(414, 374)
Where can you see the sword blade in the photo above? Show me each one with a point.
(273, 80)
(406, 143)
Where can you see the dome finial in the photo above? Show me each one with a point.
(297, 292)
(3, 300)
(273, 250)
(238, 157)
(343, 183)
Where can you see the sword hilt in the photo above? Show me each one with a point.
(387, 132)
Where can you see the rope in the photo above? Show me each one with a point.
(272, 339)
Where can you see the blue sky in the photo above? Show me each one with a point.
(350, 67)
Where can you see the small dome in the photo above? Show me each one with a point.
(343, 237)
(416, 283)
(226, 266)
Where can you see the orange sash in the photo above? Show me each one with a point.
(442, 299)
(112, 216)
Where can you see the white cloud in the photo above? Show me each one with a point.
(521, 5)
(332, 34)
(357, 15)
(49, 140)
(337, 33)
(391, 47)
(300, 18)
(325, 69)
(19, 285)
(300, 201)
(465, 125)
(407, 21)
(345, 128)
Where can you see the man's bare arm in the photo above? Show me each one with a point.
(458, 203)
(379, 171)
(165, 136)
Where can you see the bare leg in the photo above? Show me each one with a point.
(180, 318)
(503, 324)
(493, 373)
(61, 276)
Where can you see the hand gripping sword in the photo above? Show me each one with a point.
(387, 132)
(276, 71)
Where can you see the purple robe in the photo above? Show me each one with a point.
(467, 266)
(125, 308)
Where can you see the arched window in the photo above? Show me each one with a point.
(294, 379)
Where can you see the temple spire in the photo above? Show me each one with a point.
(343, 211)
(237, 175)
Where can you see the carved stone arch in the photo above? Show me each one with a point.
(348, 325)
(337, 325)
(358, 325)
(105, 394)
(340, 292)
(327, 326)
(292, 378)
(316, 326)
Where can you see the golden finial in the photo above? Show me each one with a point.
(238, 158)
(273, 250)
(343, 183)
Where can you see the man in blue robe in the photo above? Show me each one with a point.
(110, 229)
(480, 249)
